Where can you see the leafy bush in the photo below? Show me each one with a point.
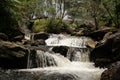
(55, 25)
(74, 25)
(9, 13)
(50, 25)
(39, 25)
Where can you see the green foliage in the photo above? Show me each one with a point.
(75, 7)
(55, 25)
(21, 11)
(13, 14)
(39, 25)
(9, 16)
(50, 25)
(112, 8)
(27, 9)
(73, 25)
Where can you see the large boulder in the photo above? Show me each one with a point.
(91, 43)
(36, 43)
(43, 36)
(61, 49)
(99, 34)
(66, 51)
(112, 73)
(12, 55)
(107, 52)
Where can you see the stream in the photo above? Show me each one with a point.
(54, 66)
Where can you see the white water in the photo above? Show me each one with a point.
(81, 66)
(66, 40)
(80, 69)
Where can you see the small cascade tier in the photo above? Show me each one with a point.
(67, 40)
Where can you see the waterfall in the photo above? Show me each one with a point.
(68, 71)
(54, 66)
(45, 59)
(66, 40)
(78, 54)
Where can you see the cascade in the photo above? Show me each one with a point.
(66, 40)
(44, 59)
(54, 66)
(40, 59)
(78, 54)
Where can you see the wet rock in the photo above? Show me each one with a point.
(26, 42)
(12, 55)
(106, 36)
(61, 49)
(38, 42)
(34, 43)
(68, 52)
(3, 37)
(91, 43)
(112, 73)
(43, 36)
(107, 52)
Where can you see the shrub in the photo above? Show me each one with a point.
(55, 25)
(39, 25)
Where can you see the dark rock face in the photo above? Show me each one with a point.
(112, 73)
(43, 36)
(107, 52)
(91, 43)
(61, 49)
(38, 42)
(12, 56)
(16, 35)
(3, 37)
(99, 34)
(84, 29)
(34, 43)
(18, 38)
